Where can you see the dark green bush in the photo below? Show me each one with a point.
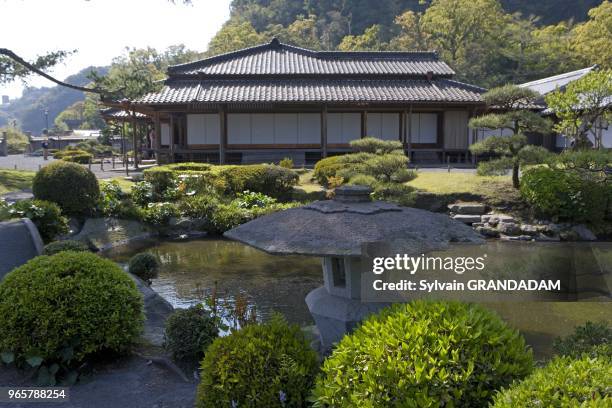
(592, 338)
(160, 213)
(565, 194)
(142, 193)
(64, 308)
(199, 206)
(228, 216)
(66, 245)
(564, 382)
(287, 163)
(327, 167)
(424, 354)
(268, 365)
(74, 188)
(46, 215)
(161, 178)
(85, 158)
(144, 265)
(271, 180)
(189, 332)
(400, 194)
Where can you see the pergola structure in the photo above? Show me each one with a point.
(140, 124)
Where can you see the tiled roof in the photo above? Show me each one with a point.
(314, 90)
(276, 58)
(549, 84)
(120, 113)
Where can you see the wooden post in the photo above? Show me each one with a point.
(364, 124)
(324, 131)
(134, 139)
(402, 135)
(172, 121)
(222, 133)
(409, 141)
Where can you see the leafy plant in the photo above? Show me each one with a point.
(265, 365)
(189, 332)
(592, 338)
(46, 215)
(327, 167)
(65, 245)
(110, 198)
(58, 311)
(377, 146)
(423, 354)
(564, 382)
(144, 265)
(142, 193)
(74, 188)
(160, 213)
(251, 199)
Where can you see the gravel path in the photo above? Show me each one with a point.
(33, 163)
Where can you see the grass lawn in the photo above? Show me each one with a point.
(15, 180)
(496, 190)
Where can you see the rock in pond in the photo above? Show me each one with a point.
(106, 233)
(509, 228)
(467, 219)
(583, 233)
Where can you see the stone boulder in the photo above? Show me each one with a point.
(19, 242)
(106, 233)
(466, 219)
(488, 232)
(583, 233)
(508, 228)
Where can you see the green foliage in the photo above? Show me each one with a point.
(74, 156)
(394, 192)
(144, 265)
(594, 339)
(46, 215)
(590, 160)
(265, 365)
(564, 382)
(110, 198)
(228, 216)
(74, 188)
(423, 354)
(567, 195)
(65, 245)
(189, 332)
(591, 40)
(234, 35)
(377, 146)
(287, 163)
(17, 141)
(58, 311)
(582, 104)
(159, 214)
(200, 206)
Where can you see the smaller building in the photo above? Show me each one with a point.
(61, 141)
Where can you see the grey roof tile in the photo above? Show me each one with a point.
(314, 90)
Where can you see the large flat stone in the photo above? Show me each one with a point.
(467, 219)
(468, 208)
(19, 242)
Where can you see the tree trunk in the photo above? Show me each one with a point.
(515, 175)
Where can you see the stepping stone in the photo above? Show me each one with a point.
(468, 208)
(467, 219)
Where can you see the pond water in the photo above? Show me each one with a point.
(192, 270)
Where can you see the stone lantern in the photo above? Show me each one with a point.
(336, 230)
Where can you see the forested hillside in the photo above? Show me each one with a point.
(488, 42)
(29, 110)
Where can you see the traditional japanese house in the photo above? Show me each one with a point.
(275, 100)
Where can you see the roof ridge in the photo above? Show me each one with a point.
(276, 44)
(559, 76)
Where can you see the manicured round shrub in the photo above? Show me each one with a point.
(73, 187)
(46, 215)
(189, 332)
(271, 180)
(327, 167)
(267, 365)
(564, 382)
(565, 194)
(66, 245)
(144, 265)
(424, 354)
(378, 146)
(66, 307)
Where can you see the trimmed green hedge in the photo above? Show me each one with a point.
(267, 365)
(424, 354)
(66, 245)
(73, 187)
(189, 332)
(327, 167)
(564, 382)
(46, 215)
(144, 265)
(566, 194)
(62, 309)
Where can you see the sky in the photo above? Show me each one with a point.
(101, 29)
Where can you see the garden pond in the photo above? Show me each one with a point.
(192, 270)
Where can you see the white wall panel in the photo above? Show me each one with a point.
(165, 134)
(428, 128)
(309, 128)
(334, 128)
(285, 128)
(238, 128)
(374, 127)
(456, 129)
(262, 128)
(351, 127)
(390, 126)
(213, 128)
